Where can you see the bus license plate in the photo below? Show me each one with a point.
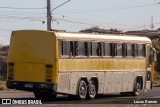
(28, 85)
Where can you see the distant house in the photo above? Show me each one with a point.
(148, 33)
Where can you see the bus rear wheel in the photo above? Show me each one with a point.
(82, 90)
(92, 92)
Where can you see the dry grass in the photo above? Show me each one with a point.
(3, 85)
(156, 81)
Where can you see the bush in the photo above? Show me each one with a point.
(3, 85)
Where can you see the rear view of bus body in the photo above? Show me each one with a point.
(50, 63)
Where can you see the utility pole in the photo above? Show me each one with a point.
(152, 25)
(49, 12)
(49, 16)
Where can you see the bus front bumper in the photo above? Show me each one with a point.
(31, 86)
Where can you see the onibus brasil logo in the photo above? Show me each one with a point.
(14, 101)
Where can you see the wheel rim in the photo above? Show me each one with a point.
(138, 87)
(82, 90)
(92, 89)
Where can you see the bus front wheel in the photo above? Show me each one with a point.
(137, 89)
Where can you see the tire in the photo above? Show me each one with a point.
(44, 95)
(137, 89)
(92, 90)
(82, 90)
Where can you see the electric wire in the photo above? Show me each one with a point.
(110, 9)
(21, 8)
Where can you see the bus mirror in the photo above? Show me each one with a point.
(154, 54)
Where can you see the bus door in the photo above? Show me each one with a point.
(149, 63)
(151, 58)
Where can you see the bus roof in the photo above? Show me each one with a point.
(94, 36)
(105, 37)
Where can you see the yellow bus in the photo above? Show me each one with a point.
(79, 64)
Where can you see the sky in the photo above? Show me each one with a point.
(76, 15)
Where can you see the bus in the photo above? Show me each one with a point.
(85, 65)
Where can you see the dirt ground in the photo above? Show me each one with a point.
(19, 94)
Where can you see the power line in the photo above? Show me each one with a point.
(17, 14)
(89, 20)
(112, 9)
(23, 12)
(87, 23)
(60, 5)
(20, 8)
(20, 17)
(4, 30)
(75, 22)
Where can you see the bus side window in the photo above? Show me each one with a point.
(66, 48)
(113, 49)
(76, 48)
(71, 52)
(129, 49)
(107, 49)
(144, 50)
(94, 48)
(81, 48)
(99, 49)
(89, 48)
(141, 50)
(60, 48)
(124, 49)
(86, 49)
(119, 49)
(134, 50)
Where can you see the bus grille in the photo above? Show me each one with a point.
(11, 71)
(48, 73)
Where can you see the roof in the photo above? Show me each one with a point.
(105, 37)
(94, 37)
